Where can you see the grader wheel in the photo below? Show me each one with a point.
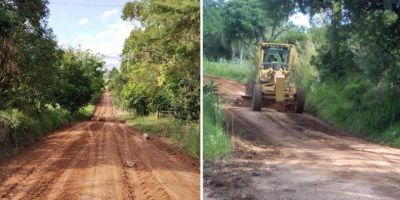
(300, 100)
(257, 98)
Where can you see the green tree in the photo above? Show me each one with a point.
(161, 63)
(243, 22)
(234, 26)
(81, 79)
(27, 51)
(213, 30)
(362, 37)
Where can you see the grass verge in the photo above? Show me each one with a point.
(239, 72)
(358, 106)
(184, 134)
(216, 143)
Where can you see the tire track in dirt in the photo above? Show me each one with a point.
(66, 185)
(28, 171)
(315, 160)
(14, 166)
(177, 176)
(145, 181)
(127, 184)
(87, 161)
(86, 185)
(40, 189)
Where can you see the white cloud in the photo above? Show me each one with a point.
(83, 21)
(111, 63)
(108, 41)
(300, 19)
(108, 14)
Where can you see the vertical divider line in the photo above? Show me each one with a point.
(201, 100)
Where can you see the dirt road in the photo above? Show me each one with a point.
(99, 159)
(297, 156)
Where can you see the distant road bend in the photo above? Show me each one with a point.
(99, 159)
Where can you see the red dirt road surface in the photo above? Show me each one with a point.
(280, 155)
(100, 159)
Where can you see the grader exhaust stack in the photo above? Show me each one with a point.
(273, 73)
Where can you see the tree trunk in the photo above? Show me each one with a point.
(259, 36)
(241, 54)
(16, 139)
(272, 32)
(233, 52)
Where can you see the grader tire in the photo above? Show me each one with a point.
(257, 98)
(300, 100)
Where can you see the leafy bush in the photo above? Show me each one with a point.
(357, 106)
(137, 98)
(81, 79)
(352, 102)
(25, 128)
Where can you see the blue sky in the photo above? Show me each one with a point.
(91, 24)
(97, 25)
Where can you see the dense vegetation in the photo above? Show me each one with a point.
(233, 71)
(358, 66)
(160, 69)
(216, 142)
(232, 28)
(41, 85)
(348, 60)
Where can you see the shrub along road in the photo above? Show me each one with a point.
(100, 159)
(281, 155)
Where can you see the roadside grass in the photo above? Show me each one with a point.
(216, 143)
(240, 72)
(359, 107)
(390, 136)
(83, 113)
(24, 129)
(185, 134)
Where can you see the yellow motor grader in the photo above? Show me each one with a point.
(272, 84)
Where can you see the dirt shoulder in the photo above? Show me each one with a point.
(280, 155)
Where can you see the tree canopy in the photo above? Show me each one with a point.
(160, 69)
(34, 70)
(236, 25)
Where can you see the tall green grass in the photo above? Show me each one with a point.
(184, 134)
(216, 143)
(353, 104)
(240, 72)
(358, 106)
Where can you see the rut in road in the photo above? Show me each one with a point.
(89, 161)
(284, 155)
